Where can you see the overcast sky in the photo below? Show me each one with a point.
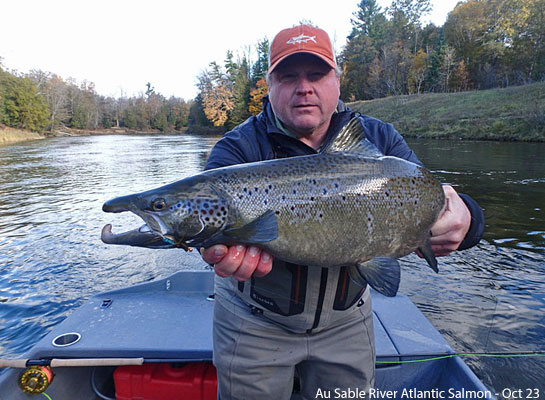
(120, 45)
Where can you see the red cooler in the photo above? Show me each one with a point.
(163, 381)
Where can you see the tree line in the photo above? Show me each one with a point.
(483, 44)
(42, 101)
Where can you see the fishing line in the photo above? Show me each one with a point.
(433, 357)
(491, 323)
(46, 395)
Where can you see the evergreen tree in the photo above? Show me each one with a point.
(260, 67)
(241, 94)
(21, 105)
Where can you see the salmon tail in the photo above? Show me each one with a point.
(381, 273)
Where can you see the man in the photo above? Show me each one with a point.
(273, 319)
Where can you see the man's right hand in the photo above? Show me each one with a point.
(239, 261)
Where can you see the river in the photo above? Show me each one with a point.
(487, 299)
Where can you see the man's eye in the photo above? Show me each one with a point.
(316, 76)
(287, 77)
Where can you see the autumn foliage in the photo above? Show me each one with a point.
(256, 97)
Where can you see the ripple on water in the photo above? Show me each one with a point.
(489, 298)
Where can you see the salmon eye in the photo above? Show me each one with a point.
(158, 204)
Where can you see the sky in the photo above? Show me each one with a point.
(120, 45)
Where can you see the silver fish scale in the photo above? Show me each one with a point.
(361, 207)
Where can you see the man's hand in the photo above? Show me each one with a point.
(238, 261)
(452, 226)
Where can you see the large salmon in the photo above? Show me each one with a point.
(346, 206)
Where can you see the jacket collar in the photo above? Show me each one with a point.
(340, 118)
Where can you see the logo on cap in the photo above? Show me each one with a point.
(302, 38)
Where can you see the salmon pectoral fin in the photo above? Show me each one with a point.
(427, 252)
(261, 230)
(381, 273)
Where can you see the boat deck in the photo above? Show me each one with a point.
(171, 320)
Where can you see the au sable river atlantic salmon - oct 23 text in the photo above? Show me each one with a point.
(374, 393)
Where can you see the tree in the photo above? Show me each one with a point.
(448, 64)
(362, 47)
(418, 71)
(55, 93)
(197, 117)
(256, 97)
(406, 16)
(474, 30)
(395, 60)
(460, 77)
(356, 60)
(21, 106)
(380, 55)
(522, 23)
(217, 94)
(178, 113)
(84, 106)
(261, 66)
(241, 90)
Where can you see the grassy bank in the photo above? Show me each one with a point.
(514, 113)
(10, 135)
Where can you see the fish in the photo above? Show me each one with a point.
(348, 205)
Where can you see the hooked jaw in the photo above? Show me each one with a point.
(154, 234)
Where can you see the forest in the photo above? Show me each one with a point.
(483, 44)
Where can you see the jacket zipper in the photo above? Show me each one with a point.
(321, 297)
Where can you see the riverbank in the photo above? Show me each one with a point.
(515, 113)
(10, 135)
(61, 132)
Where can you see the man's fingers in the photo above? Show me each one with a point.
(239, 261)
(231, 262)
(265, 264)
(248, 264)
(213, 254)
(452, 225)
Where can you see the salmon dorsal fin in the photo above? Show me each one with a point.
(352, 139)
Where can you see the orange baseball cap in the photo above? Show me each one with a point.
(301, 39)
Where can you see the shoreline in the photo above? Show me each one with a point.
(10, 136)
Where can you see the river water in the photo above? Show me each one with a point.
(487, 299)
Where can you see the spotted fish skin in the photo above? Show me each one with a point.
(348, 206)
(337, 208)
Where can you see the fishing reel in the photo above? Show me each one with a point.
(36, 379)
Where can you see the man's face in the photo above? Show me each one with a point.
(304, 91)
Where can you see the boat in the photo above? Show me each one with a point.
(154, 341)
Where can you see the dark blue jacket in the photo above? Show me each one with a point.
(258, 139)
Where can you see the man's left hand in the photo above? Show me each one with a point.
(452, 225)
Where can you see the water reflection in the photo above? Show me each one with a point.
(507, 179)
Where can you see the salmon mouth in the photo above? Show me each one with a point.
(141, 237)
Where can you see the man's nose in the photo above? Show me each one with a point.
(304, 87)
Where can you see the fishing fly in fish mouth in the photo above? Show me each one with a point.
(346, 206)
